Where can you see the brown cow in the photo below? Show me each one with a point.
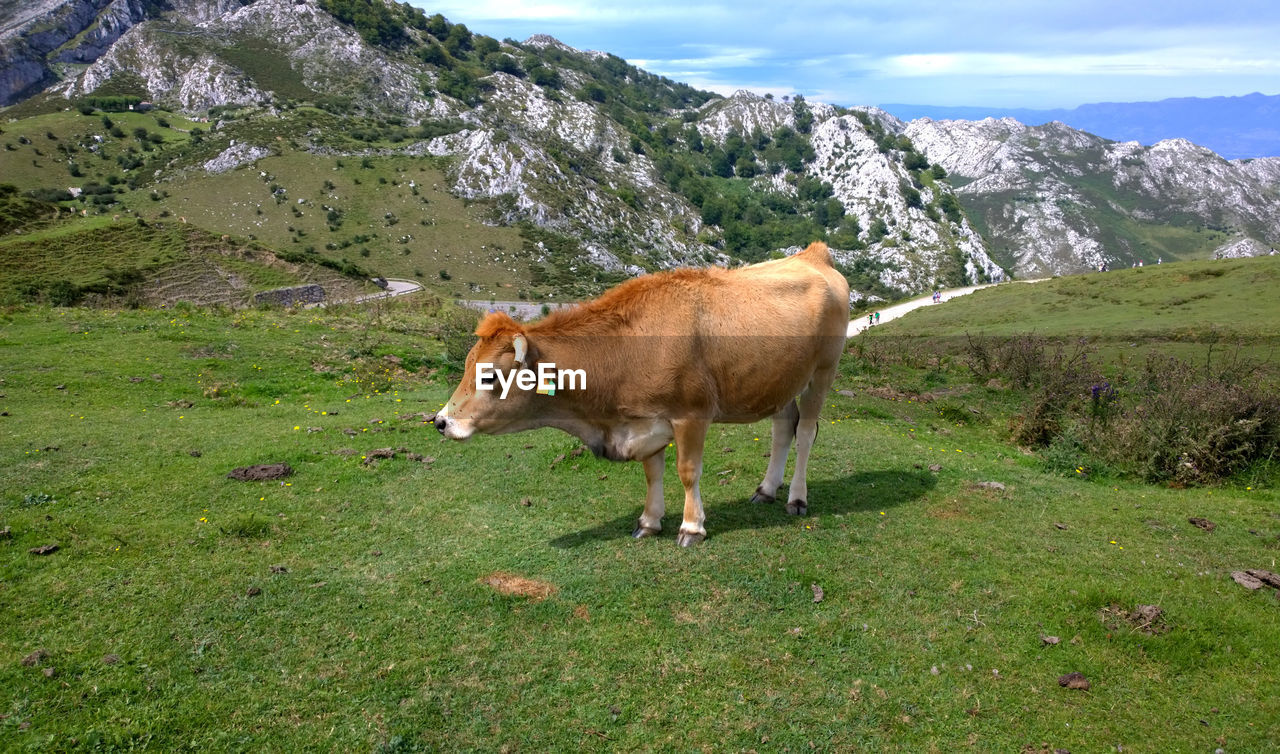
(664, 356)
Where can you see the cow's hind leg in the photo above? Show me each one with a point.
(654, 507)
(691, 435)
(810, 405)
(784, 431)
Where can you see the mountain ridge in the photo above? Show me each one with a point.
(1235, 127)
(602, 169)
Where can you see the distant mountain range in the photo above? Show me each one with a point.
(1234, 127)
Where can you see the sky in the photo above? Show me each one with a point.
(996, 53)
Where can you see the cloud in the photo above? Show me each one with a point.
(1161, 63)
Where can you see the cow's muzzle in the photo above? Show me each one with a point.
(441, 422)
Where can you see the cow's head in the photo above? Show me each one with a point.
(503, 347)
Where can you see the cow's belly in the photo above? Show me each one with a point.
(635, 440)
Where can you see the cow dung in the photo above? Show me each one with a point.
(261, 472)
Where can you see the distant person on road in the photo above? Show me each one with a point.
(871, 320)
(877, 318)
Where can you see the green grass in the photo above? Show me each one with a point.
(1234, 297)
(381, 633)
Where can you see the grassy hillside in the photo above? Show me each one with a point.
(1185, 300)
(355, 604)
(108, 260)
(388, 214)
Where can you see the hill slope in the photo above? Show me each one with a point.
(1186, 300)
(553, 172)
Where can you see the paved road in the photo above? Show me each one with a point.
(899, 309)
(532, 310)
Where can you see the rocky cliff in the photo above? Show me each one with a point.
(643, 172)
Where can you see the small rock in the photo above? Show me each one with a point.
(44, 549)
(557, 460)
(998, 486)
(1062, 527)
(279, 569)
(59, 387)
(49, 672)
(935, 467)
(526, 502)
(578, 451)
(5, 533)
(1203, 523)
(253, 591)
(1050, 640)
(1074, 681)
(194, 453)
(847, 393)
(35, 658)
(817, 593)
(110, 659)
(727, 450)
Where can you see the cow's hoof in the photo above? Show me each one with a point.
(643, 531)
(761, 497)
(797, 508)
(689, 539)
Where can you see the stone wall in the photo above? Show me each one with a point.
(295, 296)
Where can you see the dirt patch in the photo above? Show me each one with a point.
(261, 472)
(1146, 619)
(1255, 579)
(1074, 681)
(512, 585)
(1202, 523)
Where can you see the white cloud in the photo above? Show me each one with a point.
(1163, 63)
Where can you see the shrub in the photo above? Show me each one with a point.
(456, 330)
(1185, 425)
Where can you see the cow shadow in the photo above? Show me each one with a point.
(856, 493)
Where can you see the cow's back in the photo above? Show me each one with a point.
(732, 345)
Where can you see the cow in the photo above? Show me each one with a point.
(663, 356)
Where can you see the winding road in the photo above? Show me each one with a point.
(897, 310)
(526, 309)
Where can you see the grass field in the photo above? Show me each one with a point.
(357, 605)
(1187, 300)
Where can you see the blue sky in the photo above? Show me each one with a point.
(967, 52)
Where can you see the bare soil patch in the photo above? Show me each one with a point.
(511, 584)
(261, 472)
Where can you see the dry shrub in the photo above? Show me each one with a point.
(1187, 425)
(456, 330)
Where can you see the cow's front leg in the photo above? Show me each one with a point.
(654, 506)
(690, 436)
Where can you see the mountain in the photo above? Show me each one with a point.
(1234, 127)
(367, 137)
(1052, 199)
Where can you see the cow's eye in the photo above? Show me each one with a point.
(487, 380)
